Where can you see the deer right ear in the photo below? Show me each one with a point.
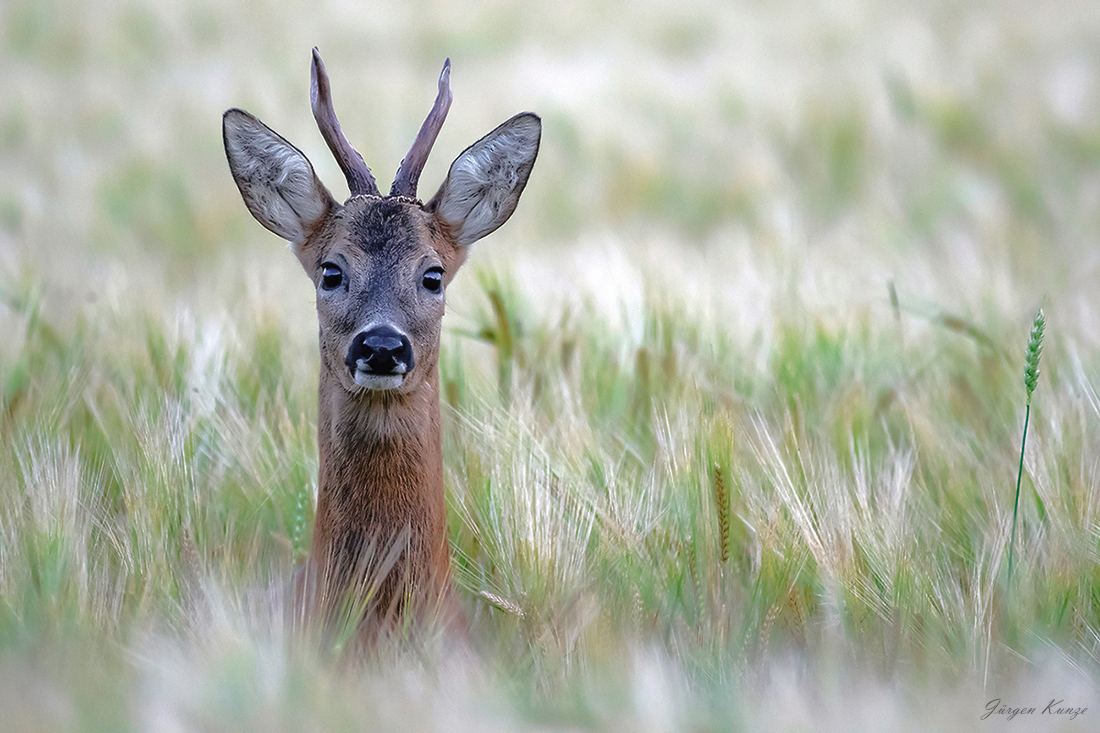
(276, 179)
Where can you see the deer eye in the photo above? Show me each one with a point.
(331, 276)
(433, 280)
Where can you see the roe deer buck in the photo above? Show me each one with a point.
(380, 265)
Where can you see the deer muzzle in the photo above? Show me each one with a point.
(379, 358)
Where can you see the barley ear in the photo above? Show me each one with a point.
(298, 529)
(1034, 351)
(722, 503)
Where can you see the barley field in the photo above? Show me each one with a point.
(733, 405)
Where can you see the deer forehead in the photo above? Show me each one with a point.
(383, 235)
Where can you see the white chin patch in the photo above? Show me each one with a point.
(378, 382)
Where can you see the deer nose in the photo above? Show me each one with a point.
(381, 350)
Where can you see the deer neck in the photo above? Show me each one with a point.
(381, 483)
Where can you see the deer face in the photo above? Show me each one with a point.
(380, 270)
(380, 264)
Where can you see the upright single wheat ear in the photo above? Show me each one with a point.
(380, 266)
(1031, 378)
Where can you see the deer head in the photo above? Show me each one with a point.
(380, 264)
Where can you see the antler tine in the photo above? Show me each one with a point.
(360, 180)
(409, 172)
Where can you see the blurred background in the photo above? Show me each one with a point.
(753, 154)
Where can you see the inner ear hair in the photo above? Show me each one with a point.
(484, 183)
(276, 180)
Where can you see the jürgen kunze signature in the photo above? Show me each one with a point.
(1054, 707)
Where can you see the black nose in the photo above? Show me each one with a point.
(381, 350)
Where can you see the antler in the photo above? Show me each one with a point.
(409, 172)
(360, 180)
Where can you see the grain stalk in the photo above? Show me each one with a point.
(1031, 377)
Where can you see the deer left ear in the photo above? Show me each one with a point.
(485, 181)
